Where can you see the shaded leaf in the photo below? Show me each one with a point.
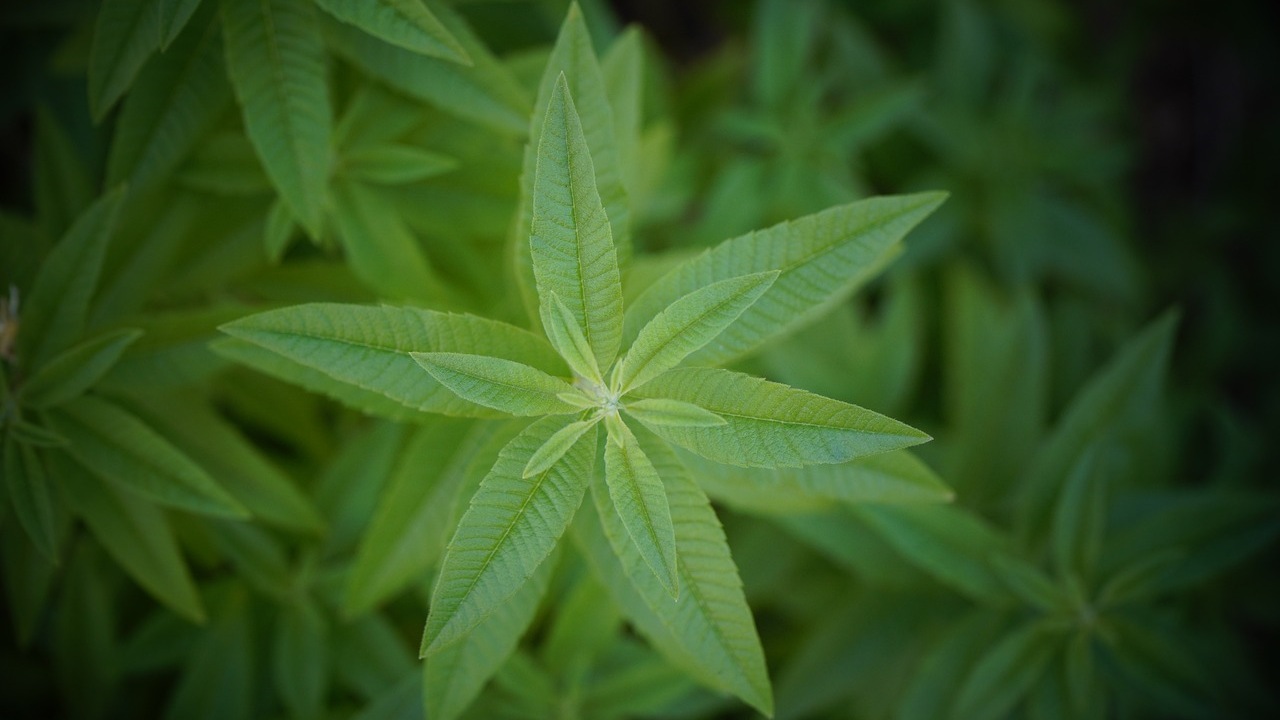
(28, 490)
(77, 369)
(406, 23)
(125, 35)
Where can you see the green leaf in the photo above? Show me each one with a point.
(58, 306)
(392, 164)
(622, 69)
(504, 385)
(218, 677)
(709, 632)
(1080, 517)
(485, 92)
(276, 61)
(640, 500)
(570, 240)
(29, 433)
(672, 413)
(116, 446)
(278, 231)
(300, 659)
(574, 57)
(687, 325)
(255, 556)
(1029, 584)
(28, 490)
(888, 478)
(568, 339)
(406, 23)
(454, 676)
(380, 248)
(1004, 675)
(937, 678)
(821, 259)
(28, 577)
(136, 534)
(510, 528)
(76, 370)
(174, 15)
(772, 425)
(557, 445)
(124, 36)
(172, 106)
(946, 542)
(368, 349)
(62, 187)
(438, 471)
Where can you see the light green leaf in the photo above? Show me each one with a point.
(570, 240)
(31, 501)
(1004, 675)
(673, 413)
(454, 676)
(822, 258)
(510, 528)
(640, 500)
(406, 23)
(172, 106)
(687, 325)
(438, 471)
(368, 348)
(945, 542)
(76, 370)
(392, 164)
(136, 534)
(566, 336)
(300, 658)
(54, 313)
(574, 57)
(174, 15)
(380, 248)
(504, 385)
(485, 92)
(557, 445)
(709, 632)
(622, 69)
(888, 478)
(116, 446)
(772, 425)
(124, 36)
(276, 61)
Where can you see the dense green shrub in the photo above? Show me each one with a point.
(329, 320)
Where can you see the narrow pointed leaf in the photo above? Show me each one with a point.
(396, 164)
(1004, 675)
(572, 245)
(406, 23)
(709, 632)
(173, 17)
(556, 446)
(566, 336)
(664, 411)
(172, 106)
(124, 36)
(30, 496)
(275, 58)
(504, 385)
(640, 500)
(278, 231)
(300, 658)
(367, 349)
(622, 68)
(1079, 518)
(821, 258)
(117, 447)
(772, 425)
(35, 435)
(380, 247)
(55, 312)
(135, 533)
(454, 676)
(510, 528)
(688, 324)
(76, 370)
(574, 57)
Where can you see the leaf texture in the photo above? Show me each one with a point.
(275, 58)
(709, 632)
(510, 528)
(509, 387)
(557, 445)
(570, 240)
(406, 23)
(368, 348)
(664, 411)
(566, 336)
(821, 258)
(688, 324)
(772, 425)
(640, 501)
(117, 447)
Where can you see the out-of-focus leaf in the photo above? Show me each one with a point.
(300, 658)
(28, 576)
(30, 497)
(380, 247)
(370, 657)
(62, 186)
(932, 691)
(218, 680)
(406, 23)
(77, 369)
(126, 33)
(396, 164)
(1004, 674)
(1080, 517)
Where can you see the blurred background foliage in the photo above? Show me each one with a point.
(1083, 328)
